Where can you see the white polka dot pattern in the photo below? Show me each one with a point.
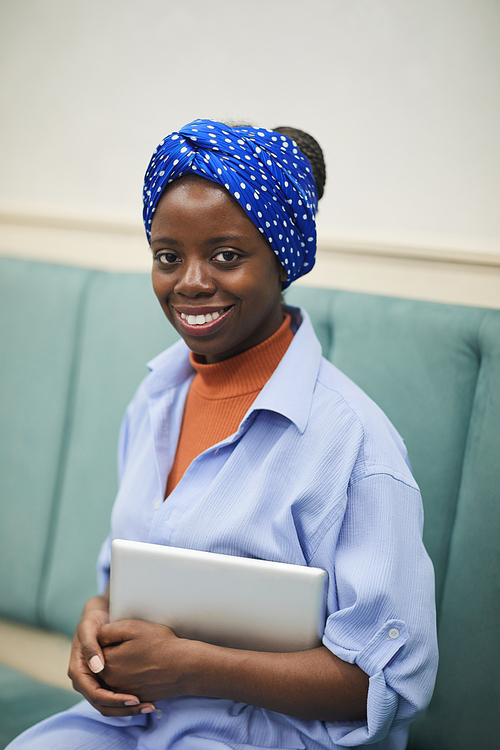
(263, 170)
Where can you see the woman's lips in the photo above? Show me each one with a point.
(201, 322)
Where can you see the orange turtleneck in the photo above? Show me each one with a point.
(221, 394)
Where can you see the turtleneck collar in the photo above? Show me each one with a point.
(244, 373)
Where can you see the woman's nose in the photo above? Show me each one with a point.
(195, 278)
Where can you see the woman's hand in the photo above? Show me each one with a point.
(145, 660)
(87, 663)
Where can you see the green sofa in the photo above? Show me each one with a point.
(73, 345)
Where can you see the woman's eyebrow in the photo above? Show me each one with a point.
(165, 240)
(226, 238)
(209, 242)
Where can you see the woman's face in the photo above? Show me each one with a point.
(214, 274)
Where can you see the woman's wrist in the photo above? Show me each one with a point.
(195, 661)
(216, 672)
(231, 674)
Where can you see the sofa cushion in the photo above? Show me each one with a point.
(40, 309)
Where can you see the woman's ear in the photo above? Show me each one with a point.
(282, 274)
(281, 269)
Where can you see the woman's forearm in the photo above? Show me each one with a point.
(313, 684)
(152, 663)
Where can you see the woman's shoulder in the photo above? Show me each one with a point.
(332, 406)
(342, 406)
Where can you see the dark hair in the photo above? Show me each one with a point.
(311, 150)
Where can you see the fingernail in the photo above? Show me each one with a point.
(96, 664)
(131, 703)
(148, 710)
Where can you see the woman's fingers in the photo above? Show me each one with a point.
(120, 631)
(118, 704)
(91, 653)
(112, 633)
(104, 700)
(87, 632)
(87, 662)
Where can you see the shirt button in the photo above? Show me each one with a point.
(158, 505)
(393, 633)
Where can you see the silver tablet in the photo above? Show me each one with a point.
(237, 602)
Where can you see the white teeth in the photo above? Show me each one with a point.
(199, 320)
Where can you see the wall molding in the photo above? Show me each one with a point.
(450, 275)
(65, 220)
(413, 252)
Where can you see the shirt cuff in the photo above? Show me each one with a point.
(382, 702)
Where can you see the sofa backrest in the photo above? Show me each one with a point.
(73, 347)
(40, 307)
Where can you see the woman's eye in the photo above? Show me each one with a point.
(226, 256)
(166, 258)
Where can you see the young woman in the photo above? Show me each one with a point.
(243, 440)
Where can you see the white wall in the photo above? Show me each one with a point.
(404, 96)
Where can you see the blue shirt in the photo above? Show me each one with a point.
(315, 475)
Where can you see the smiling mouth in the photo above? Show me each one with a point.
(202, 324)
(200, 320)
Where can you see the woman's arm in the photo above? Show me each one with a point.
(150, 662)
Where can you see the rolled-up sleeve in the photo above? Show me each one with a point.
(381, 611)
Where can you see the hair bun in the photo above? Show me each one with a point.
(311, 149)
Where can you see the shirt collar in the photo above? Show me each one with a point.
(289, 390)
(169, 369)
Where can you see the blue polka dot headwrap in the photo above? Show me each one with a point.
(263, 170)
